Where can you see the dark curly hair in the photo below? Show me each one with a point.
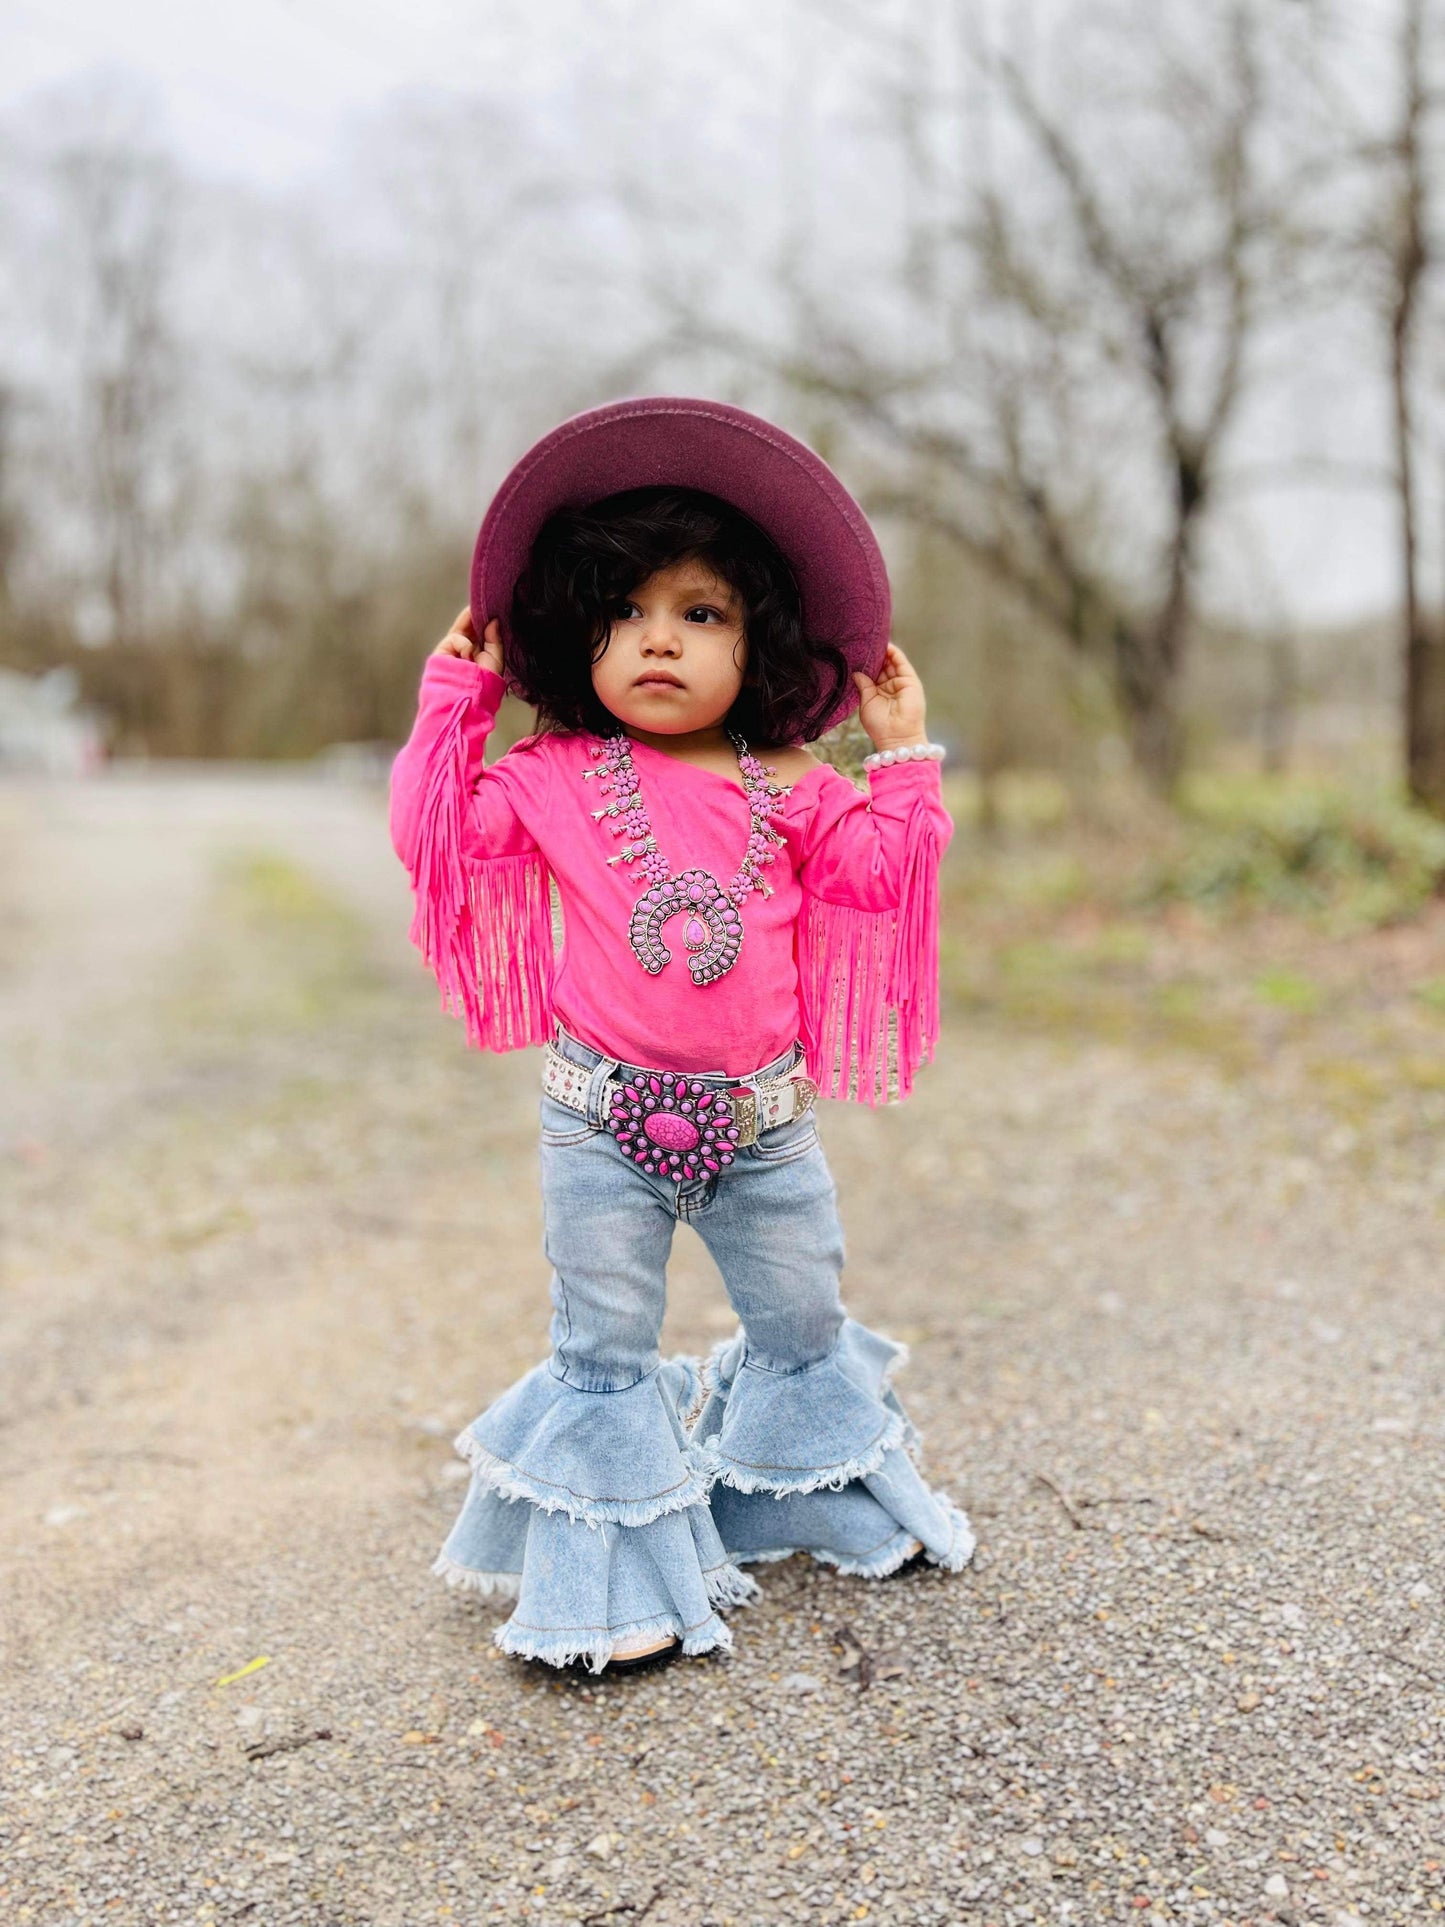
(586, 561)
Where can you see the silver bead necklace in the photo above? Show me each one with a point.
(713, 933)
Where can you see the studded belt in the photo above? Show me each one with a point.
(675, 1124)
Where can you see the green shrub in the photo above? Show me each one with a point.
(1362, 857)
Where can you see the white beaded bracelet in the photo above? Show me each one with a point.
(909, 753)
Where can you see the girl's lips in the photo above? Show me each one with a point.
(657, 682)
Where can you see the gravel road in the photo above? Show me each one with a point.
(272, 1235)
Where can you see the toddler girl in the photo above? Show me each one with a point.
(688, 596)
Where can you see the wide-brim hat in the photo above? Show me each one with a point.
(787, 489)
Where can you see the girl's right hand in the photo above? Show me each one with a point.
(461, 640)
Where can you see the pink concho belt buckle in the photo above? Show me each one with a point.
(673, 1125)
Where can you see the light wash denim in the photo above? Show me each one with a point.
(615, 1492)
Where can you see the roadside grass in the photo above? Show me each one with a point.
(283, 1061)
(1284, 927)
(273, 951)
(249, 1045)
(271, 1021)
(1268, 924)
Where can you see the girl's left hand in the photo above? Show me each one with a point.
(891, 709)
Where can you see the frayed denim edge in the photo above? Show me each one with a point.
(709, 1382)
(726, 1586)
(964, 1543)
(498, 1476)
(506, 1585)
(961, 1549)
(713, 1632)
(707, 1371)
(878, 1568)
(829, 1478)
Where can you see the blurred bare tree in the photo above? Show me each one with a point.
(12, 515)
(1409, 247)
(116, 201)
(248, 439)
(1095, 275)
(119, 207)
(1030, 276)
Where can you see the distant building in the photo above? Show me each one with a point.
(45, 728)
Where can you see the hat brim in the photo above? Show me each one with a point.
(779, 481)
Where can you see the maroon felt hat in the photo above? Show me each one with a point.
(779, 481)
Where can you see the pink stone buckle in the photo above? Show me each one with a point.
(673, 1125)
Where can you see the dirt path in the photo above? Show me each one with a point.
(271, 1235)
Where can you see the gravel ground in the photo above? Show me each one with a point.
(272, 1236)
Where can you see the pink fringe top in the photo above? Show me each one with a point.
(843, 954)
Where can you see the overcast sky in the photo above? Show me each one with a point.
(263, 93)
(266, 95)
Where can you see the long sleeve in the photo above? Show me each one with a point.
(456, 712)
(868, 930)
(859, 848)
(483, 920)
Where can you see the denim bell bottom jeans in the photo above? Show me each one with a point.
(615, 1492)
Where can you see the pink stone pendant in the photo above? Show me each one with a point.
(712, 930)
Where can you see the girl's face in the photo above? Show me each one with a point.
(674, 662)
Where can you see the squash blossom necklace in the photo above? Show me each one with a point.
(713, 932)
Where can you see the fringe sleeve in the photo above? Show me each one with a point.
(868, 933)
(482, 888)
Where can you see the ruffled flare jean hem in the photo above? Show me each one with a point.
(823, 1460)
(609, 1516)
(590, 1511)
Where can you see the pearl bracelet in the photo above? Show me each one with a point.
(909, 753)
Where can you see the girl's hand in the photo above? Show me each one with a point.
(891, 709)
(461, 640)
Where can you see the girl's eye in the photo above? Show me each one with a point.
(702, 608)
